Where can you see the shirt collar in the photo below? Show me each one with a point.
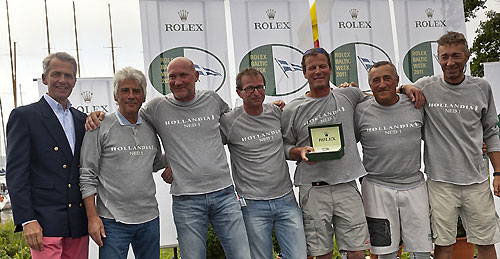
(54, 104)
(124, 122)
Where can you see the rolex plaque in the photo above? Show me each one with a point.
(327, 141)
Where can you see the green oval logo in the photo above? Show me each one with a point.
(211, 69)
(352, 61)
(419, 61)
(280, 65)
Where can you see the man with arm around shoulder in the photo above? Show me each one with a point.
(260, 171)
(459, 115)
(394, 191)
(117, 164)
(329, 198)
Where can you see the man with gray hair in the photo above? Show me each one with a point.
(117, 164)
(43, 155)
(394, 192)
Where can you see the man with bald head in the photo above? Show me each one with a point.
(187, 122)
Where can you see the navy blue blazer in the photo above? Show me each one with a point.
(42, 173)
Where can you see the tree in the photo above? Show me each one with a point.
(486, 47)
(471, 7)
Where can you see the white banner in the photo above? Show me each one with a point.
(271, 37)
(492, 75)
(419, 25)
(89, 94)
(193, 29)
(357, 33)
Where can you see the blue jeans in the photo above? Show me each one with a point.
(144, 237)
(192, 214)
(286, 217)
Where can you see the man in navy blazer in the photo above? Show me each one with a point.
(43, 154)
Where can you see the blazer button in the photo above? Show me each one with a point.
(56, 148)
(80, 204)
(69, 185)
(64, 166)
(69, 205)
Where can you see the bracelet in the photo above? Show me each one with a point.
(496, 174)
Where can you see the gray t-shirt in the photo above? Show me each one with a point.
(117, 163)
(192, 141)
(391, 137)
(458, 118)
(337, 107)
(258, 162)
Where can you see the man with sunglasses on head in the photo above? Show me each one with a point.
(459, 115)
(329, 197)
(260, 171)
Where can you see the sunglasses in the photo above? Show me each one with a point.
(318, 50)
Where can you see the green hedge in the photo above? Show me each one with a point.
(215, 250)
(12, 245)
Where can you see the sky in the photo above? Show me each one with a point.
(28, 30)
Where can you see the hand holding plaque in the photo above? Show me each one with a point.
(327, 141)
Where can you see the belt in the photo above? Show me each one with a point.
(320, 183)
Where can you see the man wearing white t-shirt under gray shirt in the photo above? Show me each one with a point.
(260, 171)
(394, 191)
(187, 122)
(459, 115)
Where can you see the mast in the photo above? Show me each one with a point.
(111, 33)
(3, 126)
(47, 27)
(76, 41)
(14, 91)
(15, 67)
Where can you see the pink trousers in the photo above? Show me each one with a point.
(63, 248)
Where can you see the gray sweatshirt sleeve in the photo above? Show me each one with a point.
(289, 136)
(489, 121)
(357, 118)
(89, 160)
(222, 104)
(224, 128)
(354, 94)
(148, 110)
(160, 159)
